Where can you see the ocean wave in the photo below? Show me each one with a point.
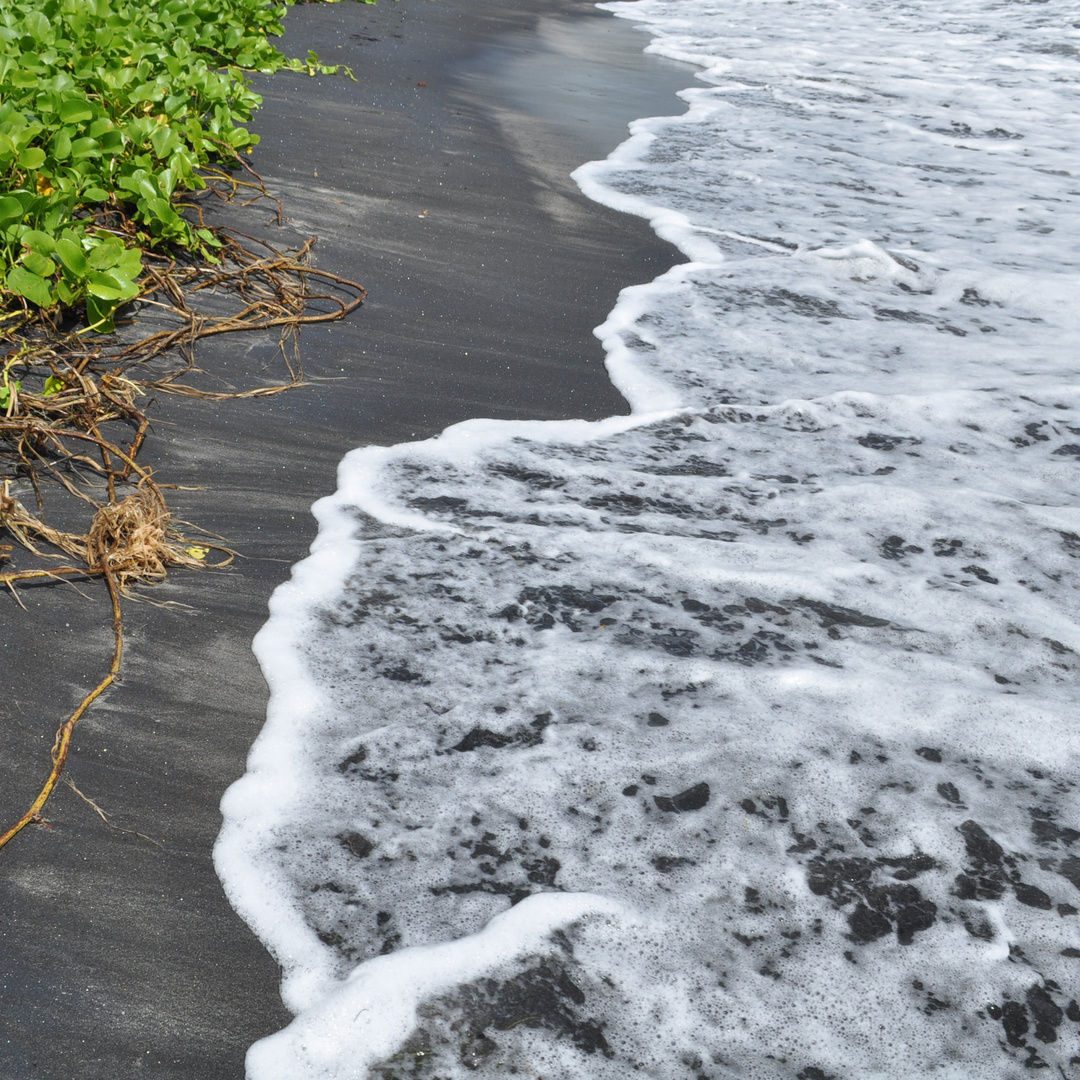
(734, 737)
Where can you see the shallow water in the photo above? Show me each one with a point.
(734, 738)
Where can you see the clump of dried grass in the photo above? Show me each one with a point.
(136, 539)
(133, 540)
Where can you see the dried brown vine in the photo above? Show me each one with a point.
(67, 396)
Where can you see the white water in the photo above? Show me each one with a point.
(764, 696)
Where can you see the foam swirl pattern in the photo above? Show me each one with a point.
(736, 737)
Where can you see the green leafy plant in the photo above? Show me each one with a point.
(111, 111)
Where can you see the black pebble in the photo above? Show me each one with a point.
(691, 799)
(357, 844)
(1032, 897)
(949, 793)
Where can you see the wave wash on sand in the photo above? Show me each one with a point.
(736, 737)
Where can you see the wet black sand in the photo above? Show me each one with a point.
(119, 958)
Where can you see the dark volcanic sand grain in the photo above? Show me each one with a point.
(120, 959)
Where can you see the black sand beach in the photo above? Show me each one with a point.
(439, 180)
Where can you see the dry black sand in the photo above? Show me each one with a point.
(123, 959)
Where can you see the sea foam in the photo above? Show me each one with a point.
(736, 737)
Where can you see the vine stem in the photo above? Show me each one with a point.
(62, 743)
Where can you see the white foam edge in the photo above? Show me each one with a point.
(260, 802)
(366, 1017)
(670, 225)
(666, 43)
(264, 797)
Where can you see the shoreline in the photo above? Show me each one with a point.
(124, 959)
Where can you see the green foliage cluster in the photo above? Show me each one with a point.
(109, 110)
